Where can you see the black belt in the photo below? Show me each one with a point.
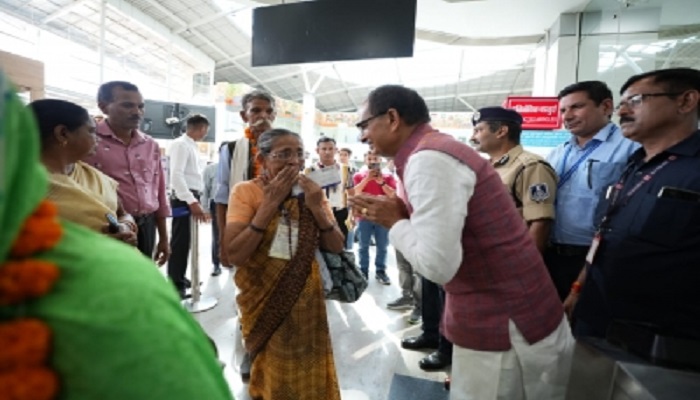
(142, 219)
(568, 249)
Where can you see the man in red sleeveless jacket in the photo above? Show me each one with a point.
(458, 227)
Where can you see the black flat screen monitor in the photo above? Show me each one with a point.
(155, 120)
(333, 30)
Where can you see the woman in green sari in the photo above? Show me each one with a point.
(272, 236)
(83, 316)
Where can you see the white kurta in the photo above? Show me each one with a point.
(438, 187)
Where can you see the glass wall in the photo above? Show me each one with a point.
(626, 37)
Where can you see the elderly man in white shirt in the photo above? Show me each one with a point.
(186, 183)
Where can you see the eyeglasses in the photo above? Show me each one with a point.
(362, 125)
(636, 100)
(288, 154)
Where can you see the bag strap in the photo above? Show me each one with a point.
(231, 148)
(289, 287)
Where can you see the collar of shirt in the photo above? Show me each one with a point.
(603, 135)
(103, 129)
(688, 147)
(187, 139)
(320, 165)
(509, 157)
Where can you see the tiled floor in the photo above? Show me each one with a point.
(366, 335)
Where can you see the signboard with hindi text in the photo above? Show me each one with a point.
(539, 113)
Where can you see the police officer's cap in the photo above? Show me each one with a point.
(498, 114)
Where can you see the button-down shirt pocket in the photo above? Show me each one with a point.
(664, 221)
(600, 175)
(146, 168)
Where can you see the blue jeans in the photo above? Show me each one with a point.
(381, 239)
(350, 239)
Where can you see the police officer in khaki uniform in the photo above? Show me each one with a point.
(530, 180)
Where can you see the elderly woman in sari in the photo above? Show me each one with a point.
(82, 194)
(271, 236)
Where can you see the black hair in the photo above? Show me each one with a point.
(197, 120)
(596, 90)
(675, 80)
(325, 139)
(50, 113)
(257, 95)
(105, 92)
(514, 129)
(347, 150)
(266, 141)
(407, 103)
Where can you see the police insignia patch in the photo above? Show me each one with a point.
(539, 192)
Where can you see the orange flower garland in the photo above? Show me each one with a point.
(257, 170)
(26, 342)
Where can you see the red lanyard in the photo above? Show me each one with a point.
(616, 202)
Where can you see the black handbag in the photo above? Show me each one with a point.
(348, 281)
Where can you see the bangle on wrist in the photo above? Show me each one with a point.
(576, 287)
(255, 228)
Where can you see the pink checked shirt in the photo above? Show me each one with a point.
(137, 167)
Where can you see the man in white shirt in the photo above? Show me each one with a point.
(336, 194)
(186, 183)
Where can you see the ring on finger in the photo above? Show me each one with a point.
(364, 211)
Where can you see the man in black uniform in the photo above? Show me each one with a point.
(643, 264)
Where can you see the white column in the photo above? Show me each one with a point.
(308, 121)
(103, 18)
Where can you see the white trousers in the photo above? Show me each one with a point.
(538, 371)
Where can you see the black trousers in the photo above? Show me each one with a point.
(433, 302)
(180, 241)
(214, 234)
(564, 268)
(146, 235)
(340, 217)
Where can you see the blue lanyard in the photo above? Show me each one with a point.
(566, 176)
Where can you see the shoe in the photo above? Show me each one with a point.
(402, 303)
(415, 316)
(434, 361)
(216, 271)
(245, 368)
(382, 278)
(187, 283)
(365, 274)
(419, 342)
(183, 294)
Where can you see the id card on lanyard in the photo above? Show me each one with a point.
(617, 201)
(284, 244)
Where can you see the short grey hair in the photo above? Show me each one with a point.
(267, 140)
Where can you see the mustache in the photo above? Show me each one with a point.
(259, 122)
(626, 119)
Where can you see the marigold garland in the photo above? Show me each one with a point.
(26, 342)
(257, 169)
(39, 383)
(41, 231)
(25, 279)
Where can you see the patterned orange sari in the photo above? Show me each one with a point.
(296, 361)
